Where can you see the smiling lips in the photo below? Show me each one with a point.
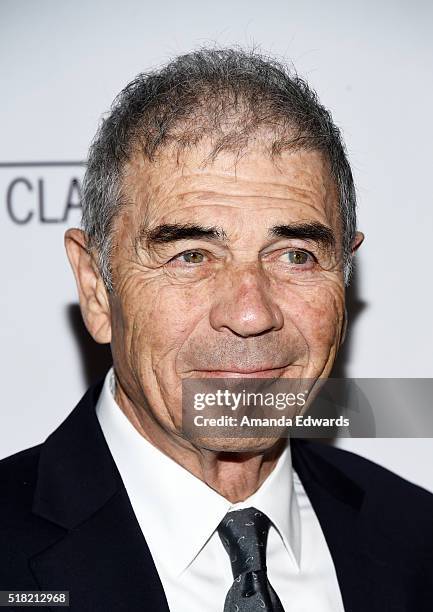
(265, 372)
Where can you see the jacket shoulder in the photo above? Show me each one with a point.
(18, 474)
(22, 533)
(379, 482)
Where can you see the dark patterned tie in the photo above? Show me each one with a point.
(244, 534)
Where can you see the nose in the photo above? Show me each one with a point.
(243, 303)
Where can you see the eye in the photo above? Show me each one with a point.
(191, 257)
(298, 258)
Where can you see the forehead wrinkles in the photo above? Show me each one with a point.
(160, 187)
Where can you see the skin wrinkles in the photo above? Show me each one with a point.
(242, 306)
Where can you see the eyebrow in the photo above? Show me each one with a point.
(172, 232)
(315, 231)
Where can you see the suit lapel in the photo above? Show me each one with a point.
(369, 575)
(100, 554)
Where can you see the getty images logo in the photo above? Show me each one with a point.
(42, 191)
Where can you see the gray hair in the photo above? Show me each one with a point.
(229, 94)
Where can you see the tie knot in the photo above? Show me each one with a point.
(244, 535)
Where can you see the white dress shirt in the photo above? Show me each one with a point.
(179, 514)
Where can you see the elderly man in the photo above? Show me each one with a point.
(218, 233)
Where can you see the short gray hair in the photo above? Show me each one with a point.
(199, 94)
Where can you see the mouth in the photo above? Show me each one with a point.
(265, 372)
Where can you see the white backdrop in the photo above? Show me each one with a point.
(61, 64)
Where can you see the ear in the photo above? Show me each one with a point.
(94, 302)
(344, 332)
(357, 241)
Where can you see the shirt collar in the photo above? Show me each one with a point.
(182, 499)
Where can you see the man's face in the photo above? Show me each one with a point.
(224, 269)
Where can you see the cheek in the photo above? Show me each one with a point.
(177, 309)
(318, 314)
(158, 320)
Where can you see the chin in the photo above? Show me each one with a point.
(234, 445)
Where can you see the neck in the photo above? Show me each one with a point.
(234, 474)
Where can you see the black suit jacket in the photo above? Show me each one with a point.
(66, 523)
